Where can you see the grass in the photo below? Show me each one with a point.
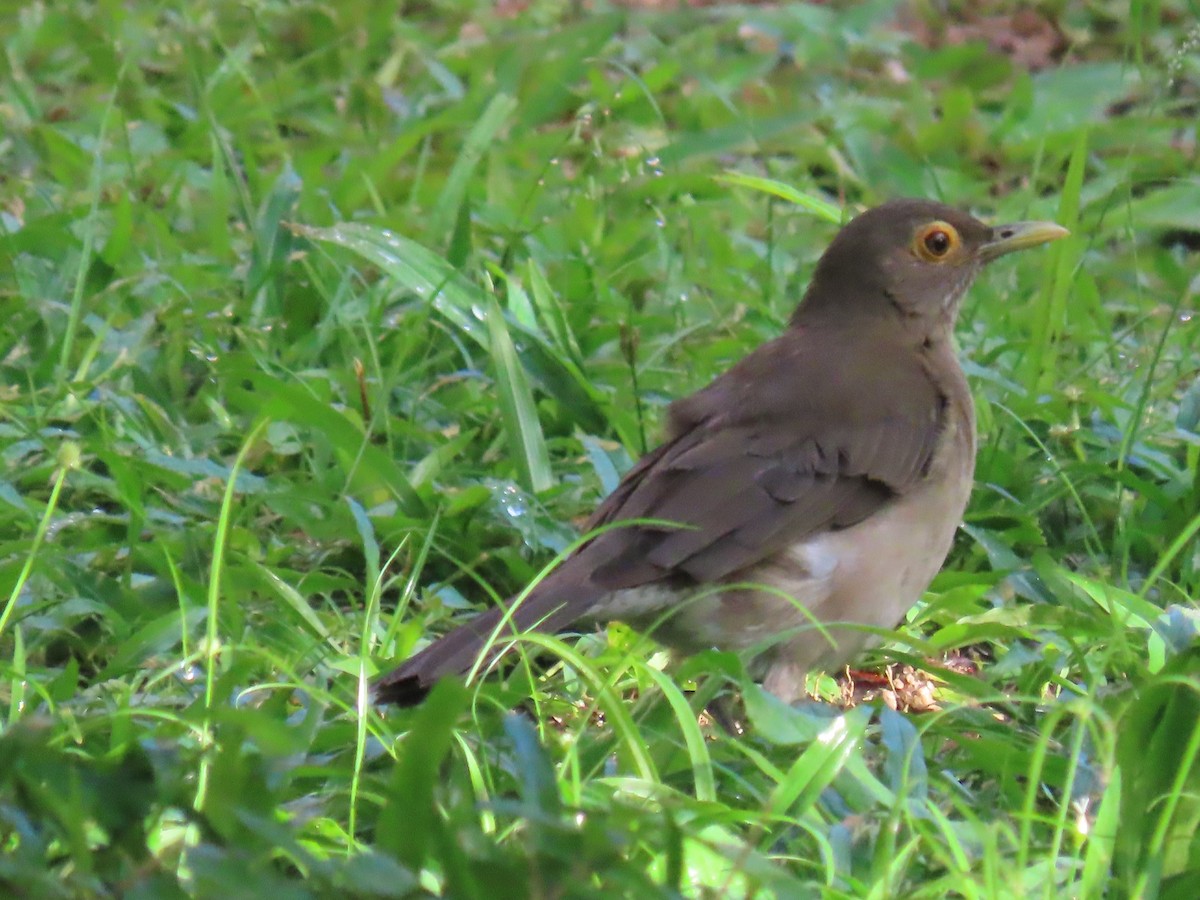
(322, 325)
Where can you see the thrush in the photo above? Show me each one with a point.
(819, 480)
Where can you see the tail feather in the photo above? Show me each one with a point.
(548, 608)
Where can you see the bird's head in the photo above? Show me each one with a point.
(912, 259)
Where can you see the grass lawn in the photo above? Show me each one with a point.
(324, 325)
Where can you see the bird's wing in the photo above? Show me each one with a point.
(786, 444)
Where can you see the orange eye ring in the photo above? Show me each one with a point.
(937, 242)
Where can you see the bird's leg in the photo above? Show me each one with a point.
(719, 711)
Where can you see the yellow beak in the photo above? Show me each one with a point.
(1018, 236)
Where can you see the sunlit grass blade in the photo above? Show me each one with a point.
(820, 762)
(819, 207)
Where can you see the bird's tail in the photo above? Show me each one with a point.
(549, 607)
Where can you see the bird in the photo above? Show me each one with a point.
(813, 488)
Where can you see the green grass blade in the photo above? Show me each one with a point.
(819, 207)
(518, 410)
(479, 138)
(212, 627)
(693, 737)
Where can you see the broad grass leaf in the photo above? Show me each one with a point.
(1158, 751)
(407, 813)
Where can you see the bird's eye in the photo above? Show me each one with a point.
(936, 241)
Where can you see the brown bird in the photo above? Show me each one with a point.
(821, 478)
